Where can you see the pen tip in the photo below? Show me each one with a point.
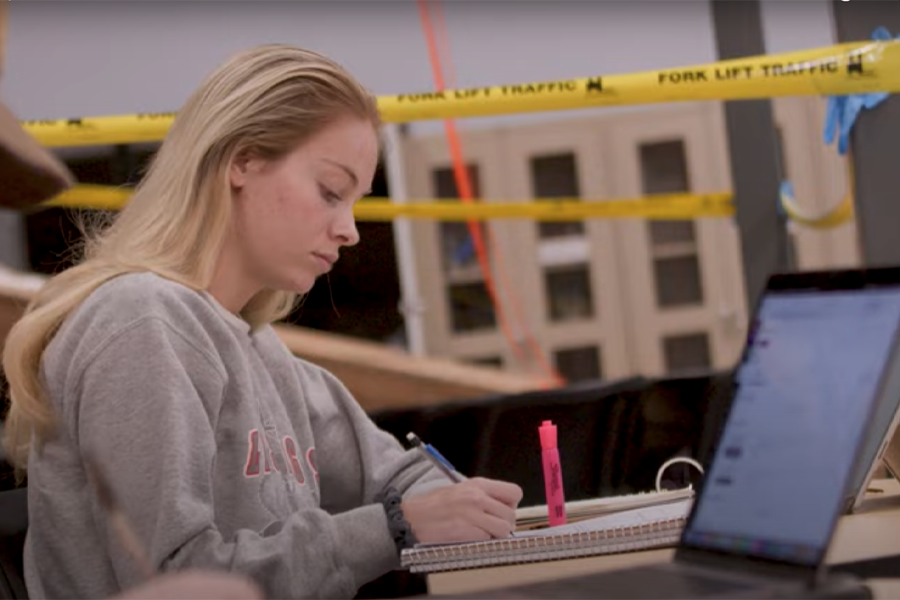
(413, 438)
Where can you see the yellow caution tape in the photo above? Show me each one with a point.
(843, 69)
(839, 215)
(851, 68)
(674, 207)
(98, 131)
(668, 207)
(686, 206)
(85, 195)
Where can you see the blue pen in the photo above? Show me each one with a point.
(439, 461)
(435, 457)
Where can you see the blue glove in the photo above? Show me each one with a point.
(842, 111)
(464, 252)
(786, 189)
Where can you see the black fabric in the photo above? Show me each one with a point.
(13, 526)
(612, 437)
(396, 584)
(7, 473)
(595, 426)
(885, 567)
(680, 416)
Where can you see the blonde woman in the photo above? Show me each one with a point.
(155, 357)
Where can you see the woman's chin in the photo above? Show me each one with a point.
(302, 286)
(298, 286)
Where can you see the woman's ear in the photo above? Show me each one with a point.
(243, 165)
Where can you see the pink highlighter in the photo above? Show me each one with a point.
(553, 483)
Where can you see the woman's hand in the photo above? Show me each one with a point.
(476, 509)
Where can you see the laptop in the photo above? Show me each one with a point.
(882, 446)
(891, 455)
(821, 353)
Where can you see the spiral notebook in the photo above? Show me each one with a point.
(627, 531)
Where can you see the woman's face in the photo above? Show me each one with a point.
(293, 215)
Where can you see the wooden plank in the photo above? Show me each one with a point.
(379, 377)
(4, 20)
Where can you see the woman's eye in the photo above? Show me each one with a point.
(329, 196)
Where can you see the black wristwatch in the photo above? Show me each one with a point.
(400, 529)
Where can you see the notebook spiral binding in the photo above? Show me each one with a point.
(659, 534)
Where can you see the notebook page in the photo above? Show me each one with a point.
(602, 506)
(628, 518)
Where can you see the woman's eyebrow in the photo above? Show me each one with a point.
(345, 169)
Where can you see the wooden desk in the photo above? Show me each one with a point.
(872, 532)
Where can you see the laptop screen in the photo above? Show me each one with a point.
(805, 390)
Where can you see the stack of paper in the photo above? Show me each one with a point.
(532, 517)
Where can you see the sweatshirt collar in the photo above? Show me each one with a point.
(232, 319)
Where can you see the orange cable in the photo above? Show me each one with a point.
(443, 44)
(518, 314)
(463, 184)
(464, 187)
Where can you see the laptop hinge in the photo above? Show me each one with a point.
(747, 566)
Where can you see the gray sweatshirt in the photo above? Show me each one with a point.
(223, 449)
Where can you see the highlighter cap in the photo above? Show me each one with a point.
(547, 431)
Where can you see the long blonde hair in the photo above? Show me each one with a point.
(265, 101)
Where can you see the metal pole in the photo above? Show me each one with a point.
(13, 241)
(753, 153)
(411, 305)
(873, 142)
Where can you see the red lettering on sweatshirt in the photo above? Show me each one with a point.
(260, 453)
(252, 467)
(255, 453)
(270, 462)
(290, 449)
(311, 463)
